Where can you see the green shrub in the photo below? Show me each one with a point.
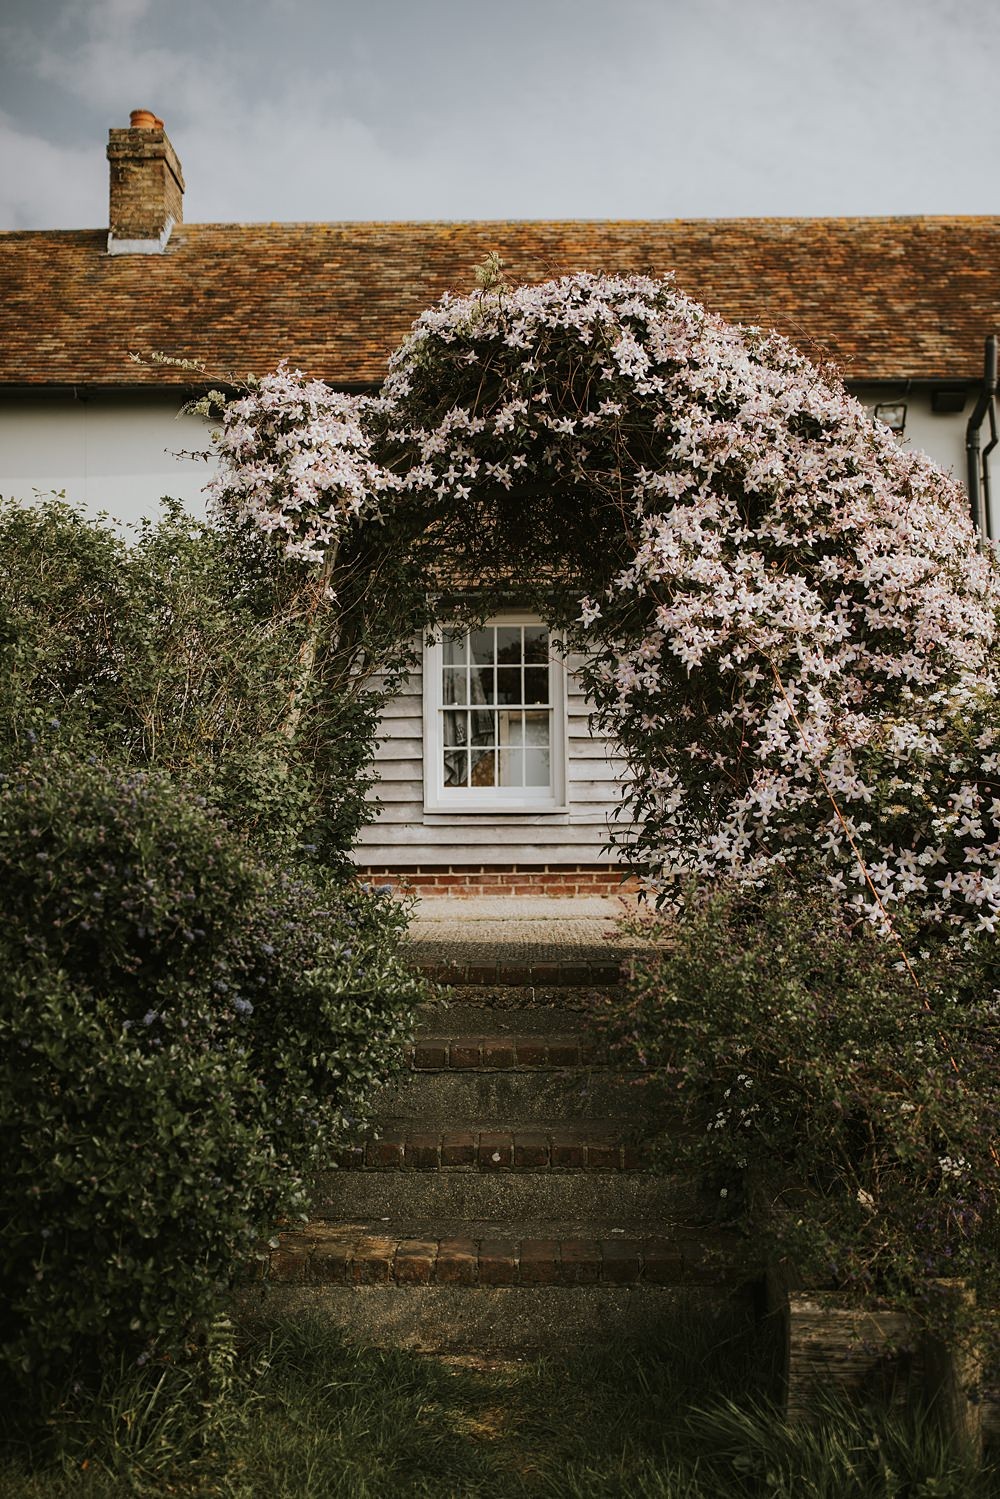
(182, 1031)
(846, 1116)
(177, 650)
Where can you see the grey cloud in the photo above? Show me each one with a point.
(305, 109)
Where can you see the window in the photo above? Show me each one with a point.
(494, 719)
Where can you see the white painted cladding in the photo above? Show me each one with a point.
(405, 834)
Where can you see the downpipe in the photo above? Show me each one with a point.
(978, 457)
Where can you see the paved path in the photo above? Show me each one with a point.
(521, 929)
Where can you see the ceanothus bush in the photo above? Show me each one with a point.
(790, 626)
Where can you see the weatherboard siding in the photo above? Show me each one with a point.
(404, 834)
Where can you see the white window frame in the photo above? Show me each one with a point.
(492, 799)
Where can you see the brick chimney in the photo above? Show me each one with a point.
(147, 187)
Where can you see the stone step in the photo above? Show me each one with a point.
(475, 1146)
(513, 1051)
(483, 971)
(474, 1252)
(464, 1018)
(529, 998)
(500, 1097)
(619, 1199)
(505, 1321)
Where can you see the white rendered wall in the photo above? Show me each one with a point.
(940, 436)
(118, 454)
(106, 454)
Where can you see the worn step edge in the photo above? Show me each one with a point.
(353, 1254)
(478, 1147)
(498, 1319)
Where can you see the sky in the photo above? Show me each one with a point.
(456, 109)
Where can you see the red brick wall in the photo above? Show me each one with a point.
(466, 881)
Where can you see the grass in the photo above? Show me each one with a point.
(308, 1417)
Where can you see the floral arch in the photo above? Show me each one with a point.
(789, 624)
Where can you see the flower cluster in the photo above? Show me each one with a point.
(294, 459)
(793, 631)
(797, 657)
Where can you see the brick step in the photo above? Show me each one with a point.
(481, 1146)
(440, 1097)
(618, 1199)
(490, 1253)
(513, 1051)
(506, 1204)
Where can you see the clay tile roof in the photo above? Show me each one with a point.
(885, 298)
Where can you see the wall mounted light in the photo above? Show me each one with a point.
(894, 417)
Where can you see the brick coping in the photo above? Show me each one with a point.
(490, 1149)
(471, 881)
(338, 1255)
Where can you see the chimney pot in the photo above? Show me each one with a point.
(147, 186)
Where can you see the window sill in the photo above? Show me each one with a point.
(436, 812)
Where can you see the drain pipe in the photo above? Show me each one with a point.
(977, 458)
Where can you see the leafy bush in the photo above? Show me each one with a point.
(182, 1031)
(846, 1117)
(177, 651)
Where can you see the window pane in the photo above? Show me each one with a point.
(511, 729)
(509, 644)
(454, 648)
(484, 727)
(509, 684)
(536, 767)
(536, 684)
(456, 728)
(484, 767)
(482, 644)
(481, 684)
(536, 644)
(454, 686)
(456, 760)
(456, 767)
(536, 728)
(511, 767)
